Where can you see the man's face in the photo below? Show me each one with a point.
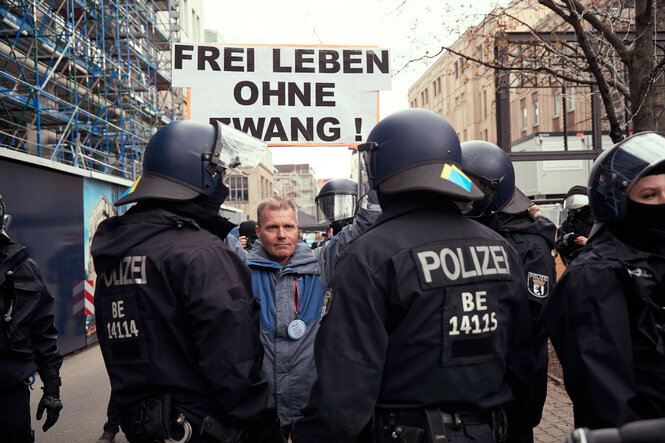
(278, 233)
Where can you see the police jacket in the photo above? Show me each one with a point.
(606, 321)
(534, 242)
(578, 224)
(173, 305)
(288, 365)
(28, 342)
(427, 309)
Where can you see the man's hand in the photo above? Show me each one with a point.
(243, 241)
(581, 241)
(51, 403)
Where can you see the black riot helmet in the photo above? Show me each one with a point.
(616, 170)
(491, 169)
(337, 200)
(185, 159)
(417, 150)
(577, 197)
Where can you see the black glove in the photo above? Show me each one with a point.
(51, 402)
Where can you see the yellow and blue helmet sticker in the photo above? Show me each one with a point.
(454, 174)
(131, 188)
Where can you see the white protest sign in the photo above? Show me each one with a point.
(288, 95)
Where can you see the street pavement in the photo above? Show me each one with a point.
(557, 420)
(85, 392)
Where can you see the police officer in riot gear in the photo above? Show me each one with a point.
(173, 303)
(505, 209)
(336, 203)
(424, 329)
(605, 316)
(575, 229)
(28, 341)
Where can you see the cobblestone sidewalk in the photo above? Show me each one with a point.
(557, 420)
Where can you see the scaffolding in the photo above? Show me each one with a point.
(87, 82)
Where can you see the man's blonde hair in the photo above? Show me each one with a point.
(275, 204)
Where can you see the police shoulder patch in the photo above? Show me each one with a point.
(538, 284)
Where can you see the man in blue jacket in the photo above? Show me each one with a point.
(289, 280)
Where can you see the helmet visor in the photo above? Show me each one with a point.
(335, 207)
(489, 188)
(238, 151)
(575, 201)
(619, 169)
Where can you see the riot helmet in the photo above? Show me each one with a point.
(417, 150)
(337, 200)
(616, 170)
(491, 169)
(576, 198)
(185, 159)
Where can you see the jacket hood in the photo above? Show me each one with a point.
(302, 261)
(116, 235)
(523, 223)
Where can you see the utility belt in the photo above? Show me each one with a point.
(434, 425)
(156, 420)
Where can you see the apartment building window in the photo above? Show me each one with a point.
(536, 109)
(425, 97)
(524, 114)
(457, 66)
(485, 103)
(436, 92)
(438, 84)
(570, 100)
(557, 99)
(486, 135)
(239, 191)
(465, 136)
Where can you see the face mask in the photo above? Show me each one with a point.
(643, 228)
(647, 217)
(212, 203)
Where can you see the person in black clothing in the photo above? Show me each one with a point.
(28, 341)
(605, 316)
(505, 209)
(574, 232)
(424, 326)
(174, 304)
(247, 233)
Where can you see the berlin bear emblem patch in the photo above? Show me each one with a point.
(539, 285)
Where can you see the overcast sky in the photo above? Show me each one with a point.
(409, 28)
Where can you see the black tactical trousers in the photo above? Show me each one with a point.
(15, 414)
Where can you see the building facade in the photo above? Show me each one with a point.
(87, 83)
(298, 182)
(246, 192)
(545, 114)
